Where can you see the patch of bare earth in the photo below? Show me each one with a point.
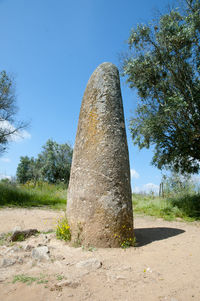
(165, 266)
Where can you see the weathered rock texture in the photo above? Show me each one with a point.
(99, 207)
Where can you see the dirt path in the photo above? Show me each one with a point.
(165, 266)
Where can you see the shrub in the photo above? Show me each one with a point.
(63, 229)
(188, 204)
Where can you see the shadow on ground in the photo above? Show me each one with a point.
(146, 236)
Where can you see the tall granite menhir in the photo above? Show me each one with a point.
(99, 207)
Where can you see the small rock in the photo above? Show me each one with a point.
(60, 257)
(28, 248)
(70, 283)
(44, 239)
(87, 295)
(17, 249)
(40, 253)
(7, 250)
(121, 277)
(17, 228)
(90, 264)
(41, 245)
(14, 249)
(113, 277)
(20, 260)
(6, 262)
(26, 255)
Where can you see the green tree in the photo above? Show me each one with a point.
(8, 109)
(164, 67)
(55, 161)
(25, 170)
(176, 184)
(52, 164)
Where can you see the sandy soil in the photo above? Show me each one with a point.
(165, 266)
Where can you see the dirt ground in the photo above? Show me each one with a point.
(165, 265)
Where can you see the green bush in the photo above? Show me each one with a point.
(63, 230)
(189, 205)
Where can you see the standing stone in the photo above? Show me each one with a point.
(99, 207)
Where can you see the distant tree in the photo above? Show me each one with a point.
(25, 170)
(8, 109)
(52, 164)
(176, 183)
(55, 161)
(164, 67)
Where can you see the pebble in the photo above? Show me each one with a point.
(90, 264)
(70, 283)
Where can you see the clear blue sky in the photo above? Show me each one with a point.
(52, 47)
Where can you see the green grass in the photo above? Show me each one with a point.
(59, 277)
(29, 279)
(189, 205)
(4, 238)
(186, 207)
(24, 279)
(52, 196)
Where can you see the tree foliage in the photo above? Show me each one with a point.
(52, 164)
(8, 109)
(164, 67)
(25, 170)
(176, 184)
(55, 161)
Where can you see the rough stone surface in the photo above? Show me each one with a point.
(99, 207)
(40, 253)
(6, 262)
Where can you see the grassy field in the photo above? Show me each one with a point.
(28, 195)
(184, 206)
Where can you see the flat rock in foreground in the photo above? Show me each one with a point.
(99, 207)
